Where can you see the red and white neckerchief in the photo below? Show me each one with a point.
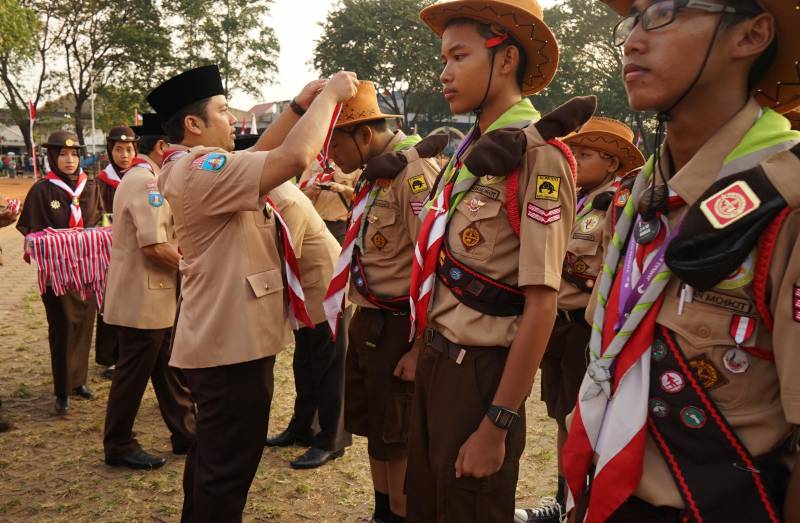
(109, 176)
(326, 174)
(75, 217)
(172, 155)
(140, 162)
(334, 297)
(291, 270)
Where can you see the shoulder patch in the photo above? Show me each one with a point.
(730, 205)
(621, 198)
(155, 199)
(547, 187)
(418, 184)
(544, 216)
(416, 207)
(211, 162)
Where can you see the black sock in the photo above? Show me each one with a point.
(394, 518)
(382, 511)
(561, 495)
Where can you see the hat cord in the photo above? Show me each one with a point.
(492, 45)
(360, 154)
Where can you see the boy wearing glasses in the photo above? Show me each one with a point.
(690, 405)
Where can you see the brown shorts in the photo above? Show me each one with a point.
(376, 403)
(563, 366)
(450, 402)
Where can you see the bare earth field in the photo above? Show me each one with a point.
(52, 469)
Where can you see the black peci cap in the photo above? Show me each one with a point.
(185, 89)
(151, 126)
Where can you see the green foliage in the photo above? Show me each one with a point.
(17, 30)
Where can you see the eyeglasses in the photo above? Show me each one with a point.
(663, 13)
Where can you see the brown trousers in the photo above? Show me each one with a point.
(144, 356)
(69, 324)
(233, 404)
(106, 345)
(450, 402)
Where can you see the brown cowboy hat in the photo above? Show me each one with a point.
(780, 87)
(523, 19)
(63, 139)
(611, 137)
(363, 107)
(794, 118)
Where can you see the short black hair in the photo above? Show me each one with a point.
(380, 125)
(148, 142)
(174, 125)
(486, 31)
(748, 9)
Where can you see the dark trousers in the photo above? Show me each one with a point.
(106, 345)
(144, 356)
(337, 229)
(232, 416)
(318, 365)
(69, 325)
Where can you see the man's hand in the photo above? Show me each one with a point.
(8, 214)
(309, 92)
(343, 86)
(406, 368)
(483, 453)
(312, 191)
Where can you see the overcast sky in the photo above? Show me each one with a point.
(297, 30)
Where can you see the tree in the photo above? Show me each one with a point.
(384, 41)
(232, 34)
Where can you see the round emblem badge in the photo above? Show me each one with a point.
(658, 408)
(55, 204)
(730, 205)
(736, 361)
(580, 266)
(470, 237)
(693, 417)
(68, 143)
(622, 197)
(646, 232)
(672, 382)
(455, 273)
(590, 223)
(359, 282)
(658, 350)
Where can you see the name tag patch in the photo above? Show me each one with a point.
(494, 194)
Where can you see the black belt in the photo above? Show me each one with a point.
(454, 351)
(573, 315)
(376, 323)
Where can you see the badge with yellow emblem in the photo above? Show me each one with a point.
(730, 205)
(379, 240)
(547, 187)
(471, 237)
(55, 204)
(418, 184)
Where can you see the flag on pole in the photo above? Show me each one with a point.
(137, 117)
(253, 124)
(31, 120)
(243, 128)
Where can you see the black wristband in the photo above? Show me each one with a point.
(296, 107)
(502, 417)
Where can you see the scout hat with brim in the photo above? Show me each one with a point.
(185, 89)
(63, 139)
(780, 87)
(611, 137)
(522, 19)
(151, 126)
(122, 133)
(363, 107)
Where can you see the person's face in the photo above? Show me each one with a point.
(593, 167)
(348, 148)
(466, 64)
(218, 130)
(68, 160)
(123, 154)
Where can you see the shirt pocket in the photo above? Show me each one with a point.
(264, 217)
(474, 228)
(384, 231)
(266, 283)
(160, 281)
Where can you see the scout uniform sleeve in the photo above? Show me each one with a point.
(417, 181)
(546, 217)
(149, 212)
(226, 183)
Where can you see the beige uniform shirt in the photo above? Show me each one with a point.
(140, 293)
(392, 226)
(315, 247)
(585, 251)
(762, 405)
(329, 204)
(481, 237)
(233, 305)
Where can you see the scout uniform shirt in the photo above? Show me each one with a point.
(585, 251)
(140, 293)
(329, 204)
(480, 236)
(315, 247)
(392, 226)
(760, 399)
(233, 308)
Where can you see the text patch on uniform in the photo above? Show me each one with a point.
(547, 187)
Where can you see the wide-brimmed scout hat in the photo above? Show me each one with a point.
(609, 136)
(185, 89)
(151, 126)
(794, 118)
(63, 139)
(122, 133)
(363, 107)
(780, 87)
(523, 19)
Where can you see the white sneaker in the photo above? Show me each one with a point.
(548, 511)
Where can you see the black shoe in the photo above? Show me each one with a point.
(84, 392)
(548, 511)
(62, 405)
(315, 457)
(108, 373)
(288, 438)
(180, 449)
(140, 460)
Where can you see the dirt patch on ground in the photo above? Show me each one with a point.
(15, 187)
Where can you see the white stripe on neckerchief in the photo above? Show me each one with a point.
(76, 216)
(109, 176)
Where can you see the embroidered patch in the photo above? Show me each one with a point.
(381, 203)
(547, 187)
(709, 375)
(418, 184)
(742, 276)
(55, 204)
(730, 205)
(717, 299)
(693, 417)
(621, 198)
(471, 237)
(379, 240)
(475, 287)
(580, 266)
(658, 407)
(493, 194)
(416, 207)
(385, 185)
(455, 274)
(545, 216)
(589, 223)
(151, 186)
(658, 350)
(212, 162)
(441, 258)
(475, 205)
(155, 199)
(579, 236)
(672, 382)
(796, 303)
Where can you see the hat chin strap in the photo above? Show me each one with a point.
(491, 44)
(360, 154)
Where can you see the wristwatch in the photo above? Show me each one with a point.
(296, 107)
(502, 417)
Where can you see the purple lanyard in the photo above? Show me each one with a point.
(581, 203)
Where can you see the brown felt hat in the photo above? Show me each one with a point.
(63, 139)
(611, 137)
(794, 118)
(363, 107)
(122, 134)
(523, 19)
(780, 87)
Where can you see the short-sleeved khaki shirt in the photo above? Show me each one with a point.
(481, 237)
(329, 204)
(233, 304)
(140, 293)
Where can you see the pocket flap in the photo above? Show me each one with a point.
(267, 282)
(160, 281)
(477, 209)
(381, 217)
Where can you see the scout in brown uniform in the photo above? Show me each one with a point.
(318, 360)
(604, 151)
(332, 199)
(380, 360)
(70, 319)
(140, 305)
(233, 312)
(690, 406)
